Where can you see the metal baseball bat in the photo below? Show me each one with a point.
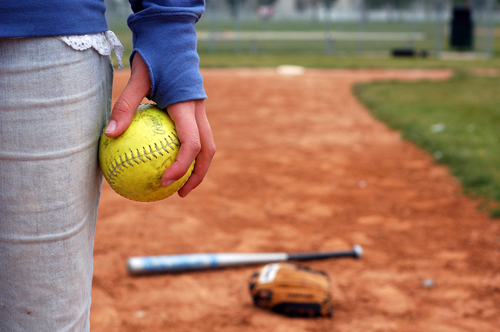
(201, 261)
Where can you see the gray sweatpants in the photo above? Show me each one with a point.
(54, 103)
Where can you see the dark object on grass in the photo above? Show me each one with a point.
(408, 53)
(404, 52)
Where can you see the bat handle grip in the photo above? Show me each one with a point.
(356, 252)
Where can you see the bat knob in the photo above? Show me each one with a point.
(358, 251)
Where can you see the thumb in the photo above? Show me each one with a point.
(138, 86)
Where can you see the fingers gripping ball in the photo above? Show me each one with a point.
(134, 162)
(292, 290)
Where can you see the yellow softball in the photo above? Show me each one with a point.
(134, 162)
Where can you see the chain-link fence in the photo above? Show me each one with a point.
(344, 27)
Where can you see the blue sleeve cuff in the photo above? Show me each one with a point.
(166, 41)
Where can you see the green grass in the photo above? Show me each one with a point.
(456, 121)
(225, 60)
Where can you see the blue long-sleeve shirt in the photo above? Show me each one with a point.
(163, 34)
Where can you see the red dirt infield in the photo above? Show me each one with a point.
(301, 165)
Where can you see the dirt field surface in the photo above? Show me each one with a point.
(301, 165)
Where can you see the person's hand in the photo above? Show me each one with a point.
(197, 143)
(190, 119)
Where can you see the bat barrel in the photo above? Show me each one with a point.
(189, 262)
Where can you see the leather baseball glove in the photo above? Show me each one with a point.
(292, 290)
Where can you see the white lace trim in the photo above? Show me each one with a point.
(104, 43)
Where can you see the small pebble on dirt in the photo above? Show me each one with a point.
(428, 283)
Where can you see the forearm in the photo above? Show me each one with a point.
(165, 36)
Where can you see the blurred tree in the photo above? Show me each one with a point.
(300, 5)
(481, 3)
(329, 3)
(267, 2)
(378, 4)
(235, 6)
